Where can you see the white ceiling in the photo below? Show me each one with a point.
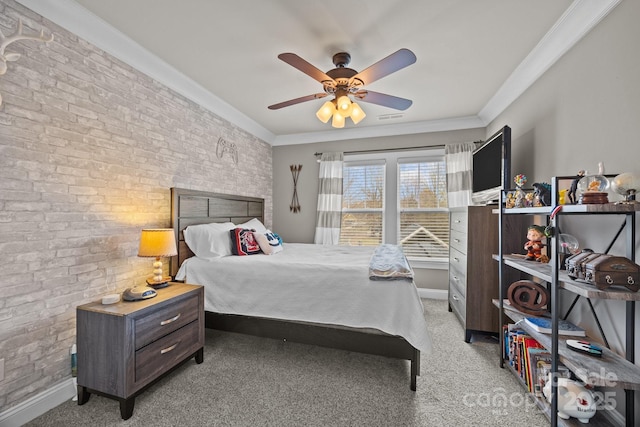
(473, 57)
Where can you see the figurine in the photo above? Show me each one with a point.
(574, 187)
(562, 196)
(510, 202)
(542, 193)
(528, 200)
(534, 245)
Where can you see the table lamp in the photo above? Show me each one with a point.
(156, 243)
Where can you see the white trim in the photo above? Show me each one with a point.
(456, 123)
(580, 18)
(80, 21)
(440, 294)
(37, 405)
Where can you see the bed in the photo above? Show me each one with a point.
(339, 311)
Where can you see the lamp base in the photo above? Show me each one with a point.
(159, 284)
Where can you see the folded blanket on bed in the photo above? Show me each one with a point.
(389, 263)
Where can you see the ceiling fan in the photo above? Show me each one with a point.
(342, 82)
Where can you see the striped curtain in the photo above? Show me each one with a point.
(459, 160)
(329, 212)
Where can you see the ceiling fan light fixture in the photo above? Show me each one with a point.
(343, 81)
(344, 105)
(338, 120)
(326, 111)
(357, 114)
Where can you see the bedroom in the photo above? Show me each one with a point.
(73, 201)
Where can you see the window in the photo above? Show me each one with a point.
(423, 218)
(362, 203)
(397, 197)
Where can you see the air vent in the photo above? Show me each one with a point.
(391, 116)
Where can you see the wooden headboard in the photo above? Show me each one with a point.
(190, 207)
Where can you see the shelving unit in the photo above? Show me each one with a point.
(587, 369)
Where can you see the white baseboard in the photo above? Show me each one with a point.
(37, 405)
(433, 293)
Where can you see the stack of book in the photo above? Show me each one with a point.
(529, 359)
(543, 324)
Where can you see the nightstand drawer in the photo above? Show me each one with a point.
(160, 356)
(166, 320)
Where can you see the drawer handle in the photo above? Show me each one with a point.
(457, 221)
(168, 349)
(173, 319)
(455, 297)
(456, 240)
(456, 278)
(456, 259)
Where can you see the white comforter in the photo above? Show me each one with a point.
(311, 283)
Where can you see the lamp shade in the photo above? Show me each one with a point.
(326, 111)
(344, 106)
(338, 120)
(157, 242)
(356, 113)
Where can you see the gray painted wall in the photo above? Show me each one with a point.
(585, 110)
(300, 227)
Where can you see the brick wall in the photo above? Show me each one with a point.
(89, 148)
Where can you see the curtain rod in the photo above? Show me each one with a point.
(382, 150)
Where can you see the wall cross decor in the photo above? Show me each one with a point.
(6, 41)
(295, 204)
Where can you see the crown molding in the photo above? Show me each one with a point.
(456, 123)
(580, 18)
(85, 24)
(575, 23)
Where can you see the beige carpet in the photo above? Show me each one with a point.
(249, 381)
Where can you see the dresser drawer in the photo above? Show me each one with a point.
(458, 280)
(458, 303)
(458, 241)
(165, 320)
(160, 356)
(459, 221)
(458, 261)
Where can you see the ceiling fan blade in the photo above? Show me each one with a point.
(383, 99)
(297, 101)
(302, 65)
(392, 63)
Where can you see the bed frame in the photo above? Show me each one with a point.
(190, 207)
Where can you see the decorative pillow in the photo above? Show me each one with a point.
(254, 224)
(209, 240)
(243, 242)
(270, 242)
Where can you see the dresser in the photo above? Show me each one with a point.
(473, 274)
(125, 347)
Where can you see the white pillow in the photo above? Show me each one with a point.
(254, 224)
(209, 240)
(268, 242)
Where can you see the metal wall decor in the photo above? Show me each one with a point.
(295, 173)
(6, 41)
(225, 146)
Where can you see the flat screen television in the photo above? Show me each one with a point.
(492, 167)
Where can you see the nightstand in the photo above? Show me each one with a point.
(125, 347)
